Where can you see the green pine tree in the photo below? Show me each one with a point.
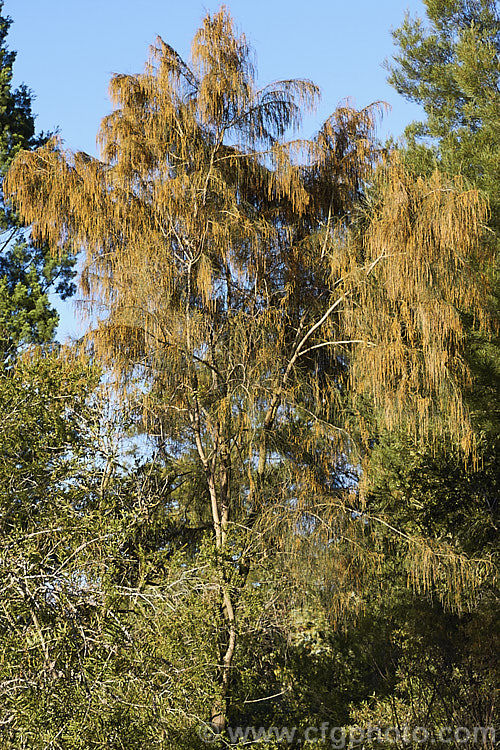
(449, 64)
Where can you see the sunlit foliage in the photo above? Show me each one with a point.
(243, 283)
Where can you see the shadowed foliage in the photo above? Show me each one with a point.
(254, 293)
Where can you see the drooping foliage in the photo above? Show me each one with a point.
(28, 273)
(441, 664)
(255, 294)
(449, 64)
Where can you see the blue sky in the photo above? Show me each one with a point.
(67, 52)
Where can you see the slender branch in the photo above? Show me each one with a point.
(336, 343)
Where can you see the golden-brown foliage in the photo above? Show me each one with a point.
(244, 283)
(409, 276)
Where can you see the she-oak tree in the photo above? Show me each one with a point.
(252, 286)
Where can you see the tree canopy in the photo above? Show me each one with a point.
(268, 308)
